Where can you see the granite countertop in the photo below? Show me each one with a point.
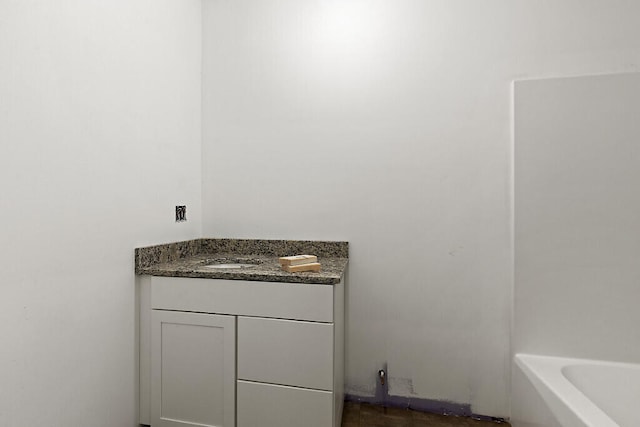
(189, 259)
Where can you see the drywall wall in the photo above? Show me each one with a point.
(577, 211)
(388, 124)
(99, 139)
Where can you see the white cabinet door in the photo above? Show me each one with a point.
(192, 369)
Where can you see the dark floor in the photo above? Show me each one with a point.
(365, 415)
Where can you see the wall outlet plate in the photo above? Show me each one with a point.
(181, 213)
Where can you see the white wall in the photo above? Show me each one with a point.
(577, 217)
(387, 123)
(99, 140)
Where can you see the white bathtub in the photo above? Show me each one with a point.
(586, 393)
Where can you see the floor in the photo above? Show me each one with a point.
(365, 415)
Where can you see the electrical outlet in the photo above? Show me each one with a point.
(181, 213)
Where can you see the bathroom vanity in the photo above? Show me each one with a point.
(242, 347)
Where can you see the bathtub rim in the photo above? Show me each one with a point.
(570, 406)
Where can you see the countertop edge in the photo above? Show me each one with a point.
(298, 278)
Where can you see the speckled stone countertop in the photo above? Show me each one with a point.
(189, 259)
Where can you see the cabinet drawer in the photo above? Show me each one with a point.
(285, 352)
(268, 405)
(265, 299)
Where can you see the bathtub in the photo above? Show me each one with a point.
(585, 393)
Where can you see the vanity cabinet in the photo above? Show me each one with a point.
(239, 353)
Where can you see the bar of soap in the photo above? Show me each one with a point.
(314, 266)
(298, 259)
